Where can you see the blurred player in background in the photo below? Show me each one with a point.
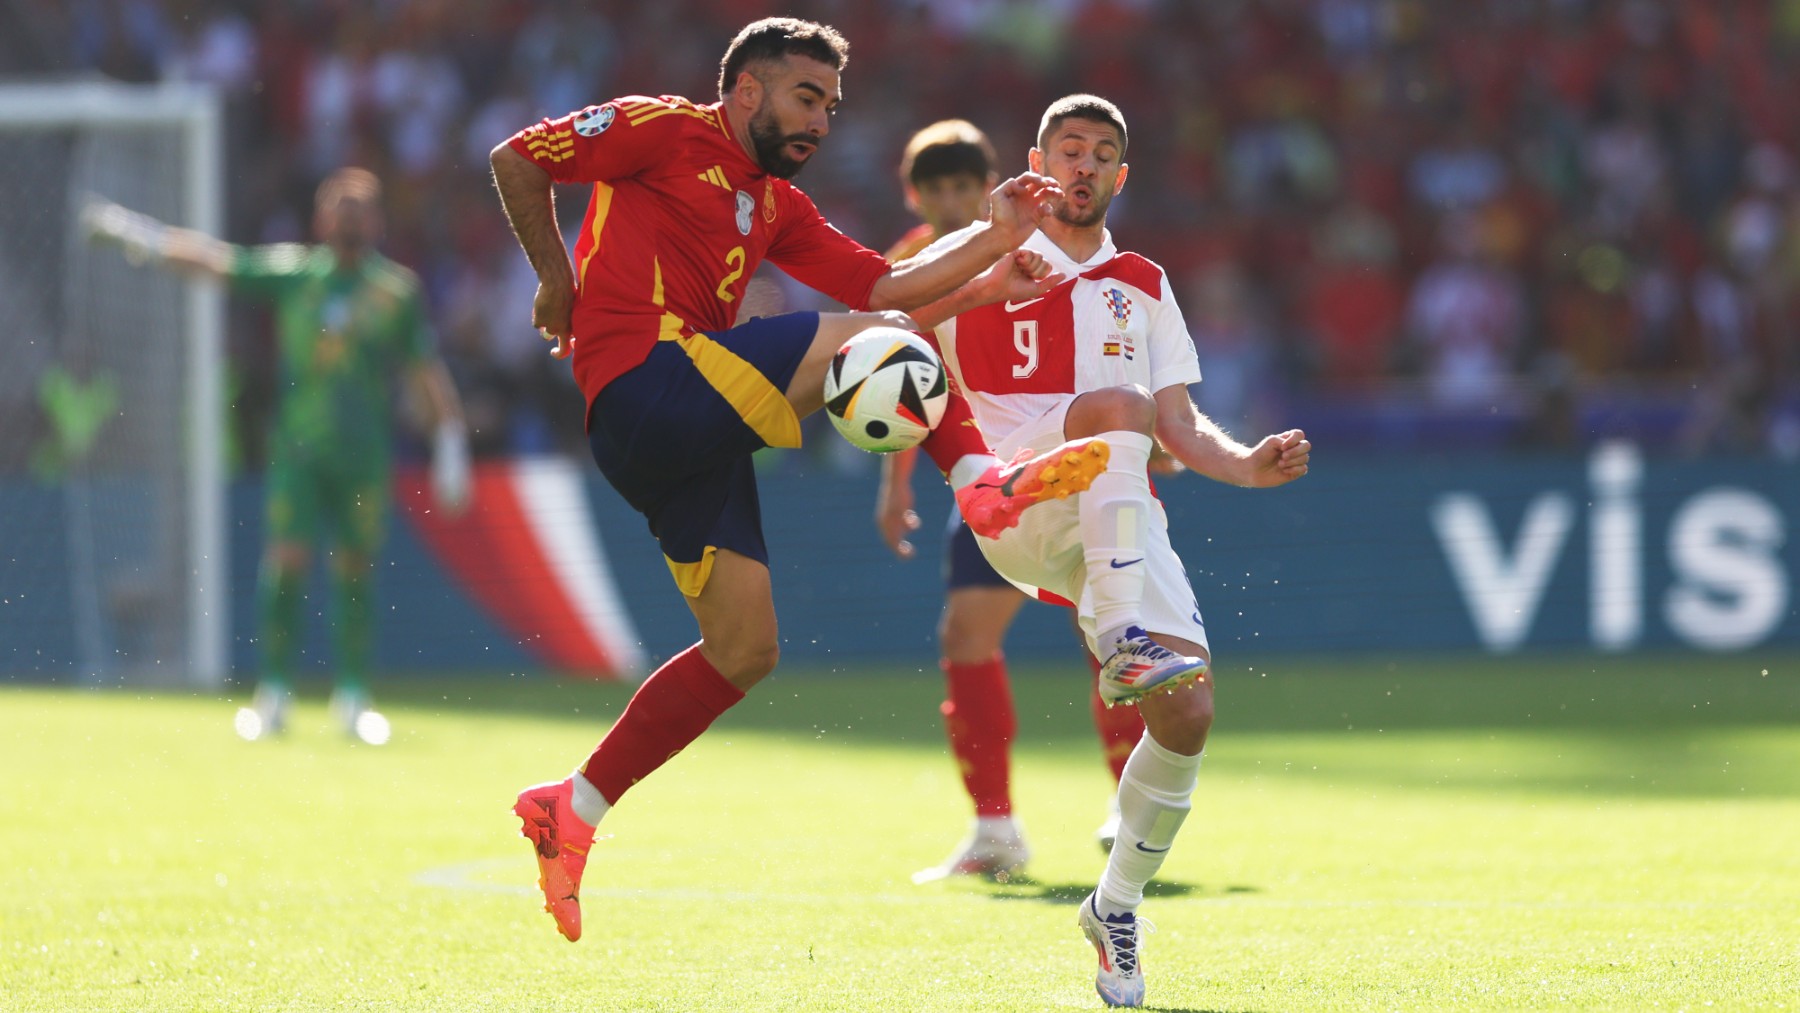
(946, 172)
(1107, 353)
(687, 201)
(347, 319)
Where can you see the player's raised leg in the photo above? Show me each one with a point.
(990, 493)
(1155, 795)
(1114, 517)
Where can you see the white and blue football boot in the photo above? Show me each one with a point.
(1116, 940)
(1139, 666)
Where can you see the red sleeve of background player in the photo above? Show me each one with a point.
(600, 143)
(820, 257)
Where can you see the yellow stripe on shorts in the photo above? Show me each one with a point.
(691, 577)
(762, 406)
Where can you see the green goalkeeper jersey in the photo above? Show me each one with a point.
(342, 335)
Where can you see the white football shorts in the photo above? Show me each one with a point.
(1044, 551)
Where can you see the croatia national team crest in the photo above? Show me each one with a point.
(593, 121)
(746, 206)
(1120, 305)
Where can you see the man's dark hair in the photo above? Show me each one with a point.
(350, 181)
(947, 148)
(1082, 107)
(774, 38)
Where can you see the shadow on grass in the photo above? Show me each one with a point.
(1024, 887)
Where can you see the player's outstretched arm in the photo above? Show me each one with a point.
(1021, 276)
(1018, 205)
(145, 240)
(530, 205)
(1199, 443)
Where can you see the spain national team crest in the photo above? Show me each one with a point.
(746, 206)
(1120, 304)
(593, 121)
(769, 201)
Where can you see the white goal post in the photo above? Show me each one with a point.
(112, 422)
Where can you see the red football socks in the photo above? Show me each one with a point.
(980, 721)
(955, 437)
(678, 702)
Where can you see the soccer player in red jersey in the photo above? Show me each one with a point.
(687, 201)
(946, 171)
(1106, 353)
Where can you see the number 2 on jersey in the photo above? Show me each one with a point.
(1025, 339)
(735, 261)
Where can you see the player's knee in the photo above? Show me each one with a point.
(1180, 721)
(1125, 408)
(964, 642)
(895, 318)
(744, 663)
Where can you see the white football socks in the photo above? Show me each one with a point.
(590, 806)
(968, 468)
(1155, 794)
(1114, 516)
(996, 828)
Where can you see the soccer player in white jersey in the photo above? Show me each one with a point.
(1107, 353)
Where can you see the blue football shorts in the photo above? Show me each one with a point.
(674, 436)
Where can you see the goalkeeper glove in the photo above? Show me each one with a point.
(450, 476)
(141, 238)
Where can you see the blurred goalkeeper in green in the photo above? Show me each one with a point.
(347, 320)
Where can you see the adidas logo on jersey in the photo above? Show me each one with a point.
(715, 176)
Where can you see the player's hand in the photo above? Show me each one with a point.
(894, 517)
(553, 310)
(1020, 276)
(1279, 459)
(1162, 462)
(138, 236)
(1020, 203)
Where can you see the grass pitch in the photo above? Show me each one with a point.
(1533, 834)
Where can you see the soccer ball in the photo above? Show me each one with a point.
(886, 390)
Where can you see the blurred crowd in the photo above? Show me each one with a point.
(1529, 222)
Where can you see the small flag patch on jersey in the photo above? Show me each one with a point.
(1109, 348)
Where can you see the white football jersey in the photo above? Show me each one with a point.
(1112, 322)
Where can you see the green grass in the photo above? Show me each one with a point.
(1540, 834)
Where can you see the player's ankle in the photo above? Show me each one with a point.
(970, 467)
(589, 805)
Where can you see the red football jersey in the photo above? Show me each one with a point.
(680, 218)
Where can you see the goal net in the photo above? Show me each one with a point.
(112, 550)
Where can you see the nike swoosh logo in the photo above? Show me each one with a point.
(1014, 307)
(1120, 566)
(1152, 851)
